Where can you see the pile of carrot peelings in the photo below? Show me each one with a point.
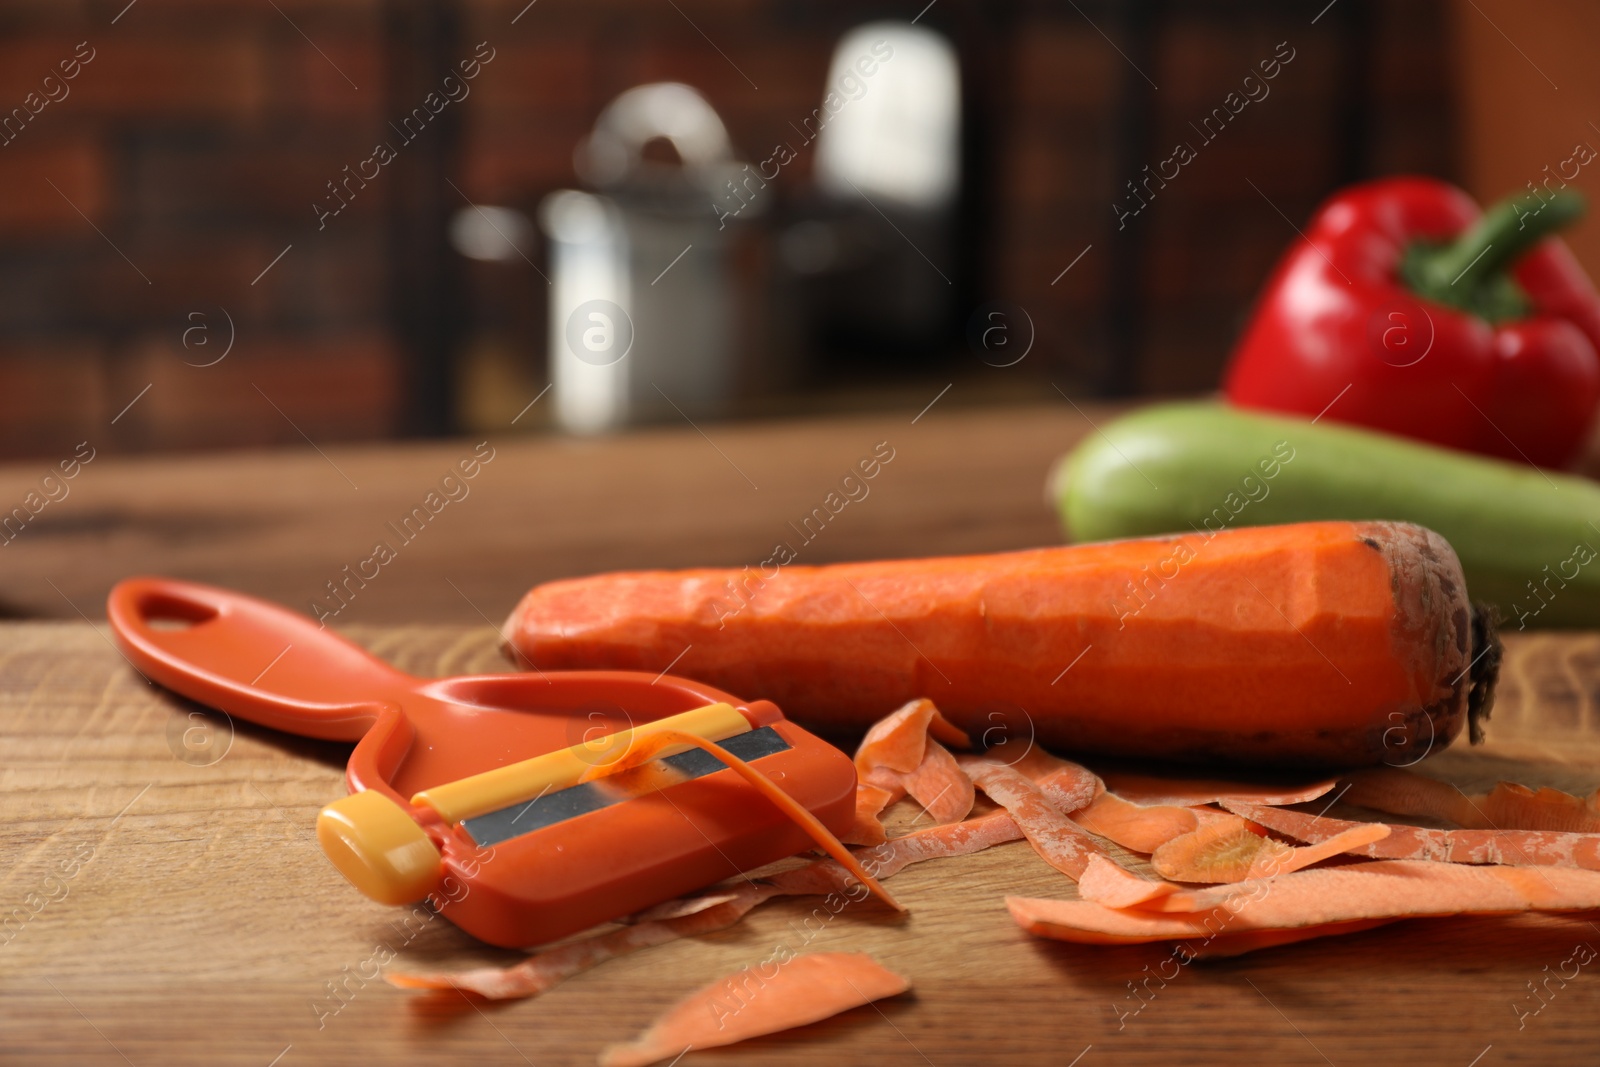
(1227, 867)
(1264, 867)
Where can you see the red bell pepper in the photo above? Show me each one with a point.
(1407, 310)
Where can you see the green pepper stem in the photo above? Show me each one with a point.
(1490, 245)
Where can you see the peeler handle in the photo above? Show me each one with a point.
(251, 658)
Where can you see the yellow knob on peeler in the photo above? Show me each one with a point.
(378, 846)
(514, 783)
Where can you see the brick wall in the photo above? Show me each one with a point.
(139, 210)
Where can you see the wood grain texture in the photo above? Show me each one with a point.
(203, 926)
(282, 524)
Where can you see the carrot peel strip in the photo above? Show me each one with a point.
(868, 828)
(1533, 848)
(1230, 851)
(749, 1003)
(940, 785)
(902, 754)
(1345, 841)
(1508, 806)
(643, 750)
(897, 741)
(1332, 897)
(1057, 839)
(1136, 827)
(890, 781)
(1070, 789)
(1113, 885)
(544, 971)
(678, 907)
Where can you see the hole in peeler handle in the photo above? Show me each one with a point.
(164, 613)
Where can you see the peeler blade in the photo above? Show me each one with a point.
(560, 805)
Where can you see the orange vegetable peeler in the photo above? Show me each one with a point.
(490, 796)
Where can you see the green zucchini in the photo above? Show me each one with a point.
(1528, 539)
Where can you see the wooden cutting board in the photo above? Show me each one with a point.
(167, 910)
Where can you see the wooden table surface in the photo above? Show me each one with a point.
(284, 524)
(162, 906)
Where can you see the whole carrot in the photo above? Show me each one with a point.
(1332, 643)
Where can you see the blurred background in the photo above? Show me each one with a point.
(234, 225)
